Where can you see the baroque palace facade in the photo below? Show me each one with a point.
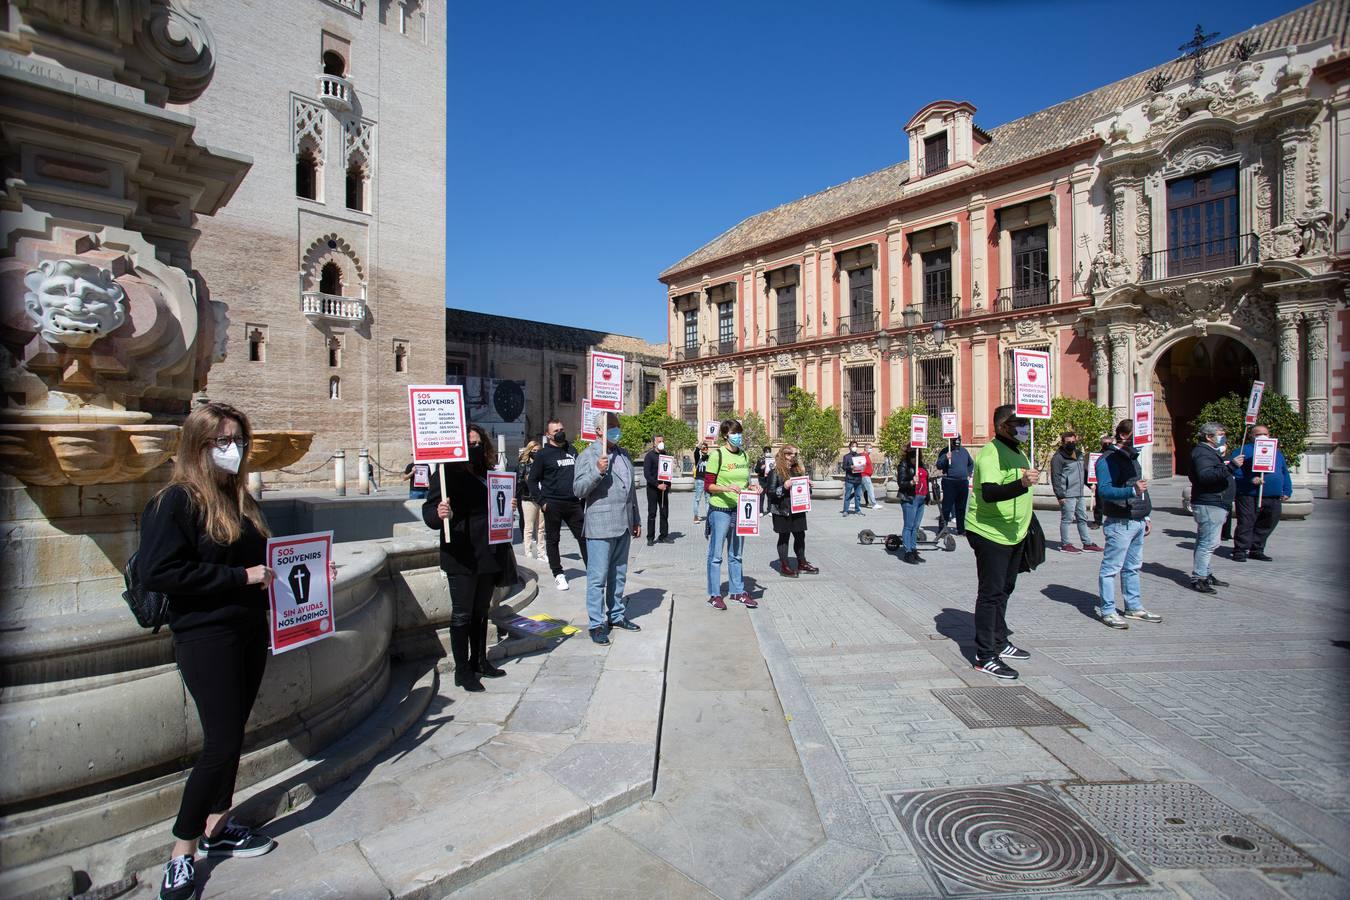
(1182, 231)
(331, 255)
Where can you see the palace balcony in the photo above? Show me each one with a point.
(1026, 296)
(940, 309)
(788, 334)
(317, 305)
(687, 352)
(859, 323)
(1203, 256)
(336, 92)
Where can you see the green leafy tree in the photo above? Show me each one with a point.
(817, 433)
(1083, 417)
(894, 434)
(755, 431)
(637, 431)
(1276, 413)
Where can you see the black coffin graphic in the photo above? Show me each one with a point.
(299, 581)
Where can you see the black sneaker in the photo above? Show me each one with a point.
(180, 879)
(1214, 582)
(1203, 586)
(626, 625)
(1239, 557)
(1013, 652)
(600, 635)
(996, 668)
(235, 839)
(1257, 554)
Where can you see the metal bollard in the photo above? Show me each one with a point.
(340, 473)
(255, 486)
(363, 473)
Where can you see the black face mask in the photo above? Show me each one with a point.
(477, 456)
(1071, 448)
(560, 438)
(956, 443)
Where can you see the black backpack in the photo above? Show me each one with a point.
(151, 608)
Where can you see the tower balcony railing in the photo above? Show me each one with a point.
(332, 307)
(336, 92)
(688, 351)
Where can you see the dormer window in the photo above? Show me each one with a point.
(942, 136)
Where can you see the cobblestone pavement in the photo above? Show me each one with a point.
(1240, 695)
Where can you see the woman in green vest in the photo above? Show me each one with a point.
(726, 475)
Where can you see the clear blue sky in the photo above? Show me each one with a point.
(593, 144)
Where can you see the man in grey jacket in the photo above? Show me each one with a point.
(1068, 477)
(605, 480)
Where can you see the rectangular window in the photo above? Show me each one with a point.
(689, 405)
(567, 387)
(455, 371)
(861, 402)
(935, 384)
(782, 385)
(691, 331)
(726, 327)
(787, 314)
(861, 314)
(726, 399)
(1031, 267)
(1008, 368)
(937, 285)
(334, 353)
(1202, 224)
(649, 387)
(935, 157)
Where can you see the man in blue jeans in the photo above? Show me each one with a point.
(853, 465)
(604, 480)
(1126, 508)
(1212, 491)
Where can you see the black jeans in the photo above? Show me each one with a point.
(470, 597)
(657, 499)
(1254, 526)
(996, 569)
(555, 514)
(955, 492)
(222, 667)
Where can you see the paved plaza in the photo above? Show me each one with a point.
(826, 745)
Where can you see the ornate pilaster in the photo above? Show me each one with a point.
(1287, 325)
(1101, 364)
(1315, 361)
(1120, 379)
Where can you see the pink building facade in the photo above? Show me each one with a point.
(1169, 232)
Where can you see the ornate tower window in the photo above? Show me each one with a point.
(334, 352)
(330, 279)
(356, 187)
(334, 64)
(400, 357)
(257, 342)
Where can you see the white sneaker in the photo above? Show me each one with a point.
(560, 582)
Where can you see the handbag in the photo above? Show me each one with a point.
(151, 608)
(1033, 547)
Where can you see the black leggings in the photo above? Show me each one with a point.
(470, 598)
(798, 545)
(222, 668)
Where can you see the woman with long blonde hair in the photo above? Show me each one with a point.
(531, 519)
(203, 544)
(787, 465)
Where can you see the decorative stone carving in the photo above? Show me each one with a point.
(1203, 299)
(179, 44)
(74, 302)
(57, 454)
(1314, 233)
(332, 248)
(724, 368)
(1029, 327)
(1202, 151)
(1254, 314)
(1143, 220)
(1290, 76)
(1287, 337)
(1289, 181)
(976, 298)
(1109, 270)
(309, 119)
(1317, 416)
(1120, 348)
(783, 362)
(358, 138)
(1317, 335)
(858, 351)
(1119, 131)
(1313, 173)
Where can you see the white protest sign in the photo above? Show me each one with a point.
(421, 476)
(949, 429)
(799, 489)
(665, 468)
(711, 428)
(588, 432)
(1031, 371)
(859, 463)
(918, 431)
(1254, 401)
(747, 514)
(606, 382)
(1092, 467)
(1143, 419)
(436, 412)
(501, 501)
(1263, 454)
(301, 594)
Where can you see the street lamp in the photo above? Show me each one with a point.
(912, 318)
(939, 333)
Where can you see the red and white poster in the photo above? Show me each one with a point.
(1254, 401)
(665, 468)
(606, 382)
(1092, 467)
(1263, 454)
(501, 506)
(949, 429)
(858, 463)
(421, 473)
(799, 492)
(1031, 371)
(918, 431)
(711, 429)
(301, 594)
(747, 514)
(436, 412)
(1143, 419)
(588, 432)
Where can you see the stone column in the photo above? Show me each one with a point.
(1315, 362)
(1120, 377)
(1101, 362)
(1287, 343)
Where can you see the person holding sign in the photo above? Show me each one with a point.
(997, 529)
(1127, 509)
(853, 465)
(776, 485)
(728, 475)
(606, 481)
(418, 476)
(956, 466)
(203, 544)
(658, 492)
(911, 477)
(472, 564)
(1259, 501)
(1212, 490)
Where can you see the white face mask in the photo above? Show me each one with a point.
(661, 445)
(1022, 432)
(228, 459)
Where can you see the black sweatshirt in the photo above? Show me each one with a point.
(207, 583)
(551, 474)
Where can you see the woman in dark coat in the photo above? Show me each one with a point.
(911, 478)
(786, 466)
(473, 567)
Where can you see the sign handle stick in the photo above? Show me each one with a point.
(916, 466)
(445, 523)
(1033, 445)
(1261, 492)
(1243, 443)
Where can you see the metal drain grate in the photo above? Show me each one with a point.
(1002, 707)
(1007, 840)
(1179, 826)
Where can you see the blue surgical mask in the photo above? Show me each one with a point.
(1022, 433)
(736, 440)
(1222, 441)
(613, 435)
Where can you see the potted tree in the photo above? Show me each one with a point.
(1083, 417)
(818, 435)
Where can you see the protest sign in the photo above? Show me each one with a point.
(918, 431)
(606, 382)
(799, 490)
(501, 506)
(301, 594)
(665, 468)
(588, 432)
(1143, 419)
(949, 429)
(1031, 371)
(1092, 467)
(1263, 455)
(438, 423)
(747, 517)
(1254, 401)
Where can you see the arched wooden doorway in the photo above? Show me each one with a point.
(1189, 374)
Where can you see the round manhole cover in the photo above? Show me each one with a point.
(1237, 843)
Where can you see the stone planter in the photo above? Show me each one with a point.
(827, 489)
(1299, 507)
(682, 484)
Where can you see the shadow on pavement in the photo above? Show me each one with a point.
(959, 626)
(640, 603)
(1162, 571)
(1083, 601)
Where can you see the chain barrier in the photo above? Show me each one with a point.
(311, 471)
